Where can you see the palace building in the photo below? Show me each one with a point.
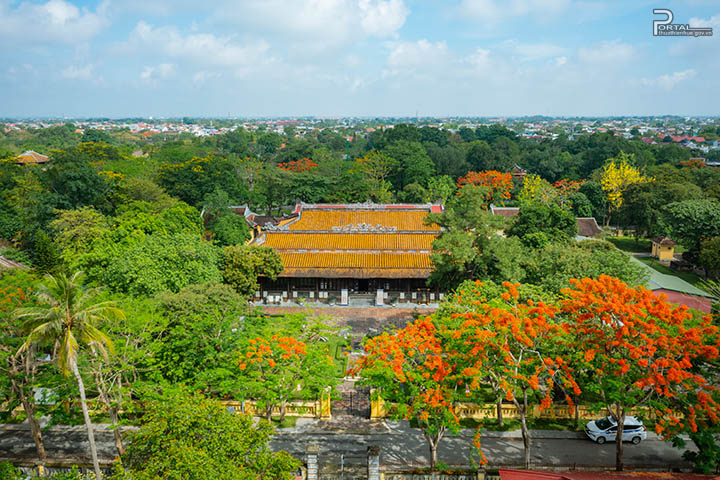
(347, 253)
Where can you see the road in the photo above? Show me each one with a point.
(399, 446)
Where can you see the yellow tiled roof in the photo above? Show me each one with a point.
(391, 242)
(356, 265)
(349, 241)
(408, 220)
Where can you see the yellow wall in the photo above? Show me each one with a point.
(663, 253)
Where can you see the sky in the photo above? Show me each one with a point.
(326, 58)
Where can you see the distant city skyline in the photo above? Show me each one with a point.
(364, 58)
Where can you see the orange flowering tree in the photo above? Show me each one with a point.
(499, 185)
(300, 165)
(641, 351)
(567, 187)
(278, 368)
(414, 373)
(508, 343)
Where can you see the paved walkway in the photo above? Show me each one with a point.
(400, 446)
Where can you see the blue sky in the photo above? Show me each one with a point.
(354, 57)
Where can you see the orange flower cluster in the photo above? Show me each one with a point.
(639, 345)
(300, 165)
(277, 350)
(567, 187)
(499, 184)
(693, 163)
(12, 298)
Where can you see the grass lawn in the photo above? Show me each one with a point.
(287, 423)
(687, 276)
(336, 344)
(631, 244)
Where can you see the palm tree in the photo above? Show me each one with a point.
(66, 318)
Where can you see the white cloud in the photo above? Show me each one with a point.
(151, 74)
(420, 55)
(199, 78)
(528, 52)
(607, 53)
(382, 18)
(85, 72)
(315, 24)
(55, 21)
(492, 11)
(199, 48)
(668, 81)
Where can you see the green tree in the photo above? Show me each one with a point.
(710, 256)
(553, 266)
(230, 229)
(460, 251)
(413, 163)
(188, 436)
(67, 315)
(20, 369)
(537, 225)
(689, 221)
(192, 180)
(243, 264)
(480, 156)
(200, 330)
(72, 178)
(76, 231)
(162, 262)
(440, 188)
(295, 362)
(46, 256)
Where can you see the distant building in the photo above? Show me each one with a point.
(337, 253)
(31, 158)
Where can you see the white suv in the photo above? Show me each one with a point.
(605, 430)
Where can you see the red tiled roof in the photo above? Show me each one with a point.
(663, 240)
(507, 212)
(588, 227)
(506, 474)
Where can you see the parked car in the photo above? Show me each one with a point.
(605, 430)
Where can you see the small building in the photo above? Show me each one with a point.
(518, 173)
(352, 253)
(663, 248)
(31, 158)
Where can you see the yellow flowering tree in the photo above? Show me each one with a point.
(538, 190)
(618, 174)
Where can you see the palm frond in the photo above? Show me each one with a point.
(712, 287)
(44, 333)
(67, 354)
(93, 336)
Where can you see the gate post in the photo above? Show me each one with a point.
(312, 461)
(373, 459)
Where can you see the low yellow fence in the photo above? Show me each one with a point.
(489, 410)
(320, 408)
